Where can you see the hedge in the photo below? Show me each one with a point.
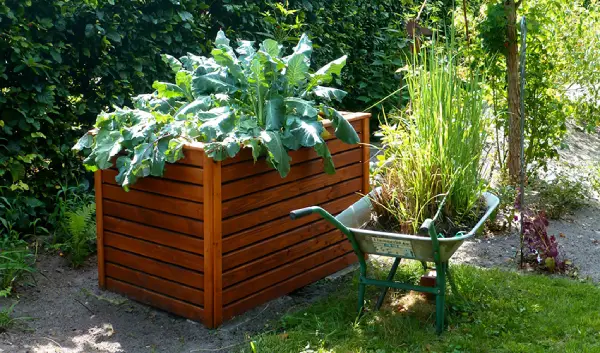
(62, 62)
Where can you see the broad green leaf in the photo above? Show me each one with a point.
(224, 58)
(274, 113)
(343, 129)
(255, 146)
(202, 103)
(168, 90)
(307, 133)
(325, 74)
(219, 124)
(173, 63)
(246, 51)
(86, 141)
(298, 106)
(323, 152)
(214, 82)
(277, 154)
(271, 47)
(304, 47)
(183, 79)
(220, 151)
(221, 39)
(329, 93)
(296, 70)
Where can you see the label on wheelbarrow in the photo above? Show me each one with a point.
(402, 248)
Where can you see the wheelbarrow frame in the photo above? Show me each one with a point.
(425, 247)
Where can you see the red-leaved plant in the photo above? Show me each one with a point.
(541, 248)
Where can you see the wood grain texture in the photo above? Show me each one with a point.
(366, 156)
(290, 268)
(160, 301)
(153, 201)
(156, 284)
(272, 178)
(154, 267)
(280, 257)
(285, 191)
(282, 225)
(268, 213)
(99, 229)
(160, 186)
(154, 251)
(287, 286)
(156, 235)
(153, 218)
(184, 173)
(193, 155)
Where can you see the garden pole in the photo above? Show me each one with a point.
(522, 103)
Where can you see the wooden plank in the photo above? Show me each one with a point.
(285, 191)
(246, 154)
(154, 251)
(282, 257)
(271, 179)
(248, 168)
(156, 284)
(99, 229)
(268, 213)
(155, 235)
(160, 186)
(155, 267)
(192, 156)
(283, 224)
(288, 285)
(153, 201)
(160, 301)
(182, 172)
(241, 256)
(212, 243)
(366, 157)
(153, 218)
(288, 269)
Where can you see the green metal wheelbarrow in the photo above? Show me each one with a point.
(425, 247)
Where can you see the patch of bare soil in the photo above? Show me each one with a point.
(65, 312)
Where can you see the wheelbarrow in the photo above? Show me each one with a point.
(428, 246)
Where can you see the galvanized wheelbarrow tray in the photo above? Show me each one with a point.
(425, 247)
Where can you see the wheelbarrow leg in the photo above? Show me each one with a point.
(440, 299)
(390, 278)
(361, 297)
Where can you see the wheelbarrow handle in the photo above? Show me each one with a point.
(302, 212)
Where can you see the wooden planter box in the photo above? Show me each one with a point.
(211, 240)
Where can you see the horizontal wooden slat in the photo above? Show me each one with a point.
(265, 214)
(153, 201)
(283, 224)
(285, 191)
(248, 168)
(281, 257)
(288, 269)
(246, 154)
(154, 251)
(271, 179)
(288, 285)
(269, 245)
(155, 235)
(156, 284)
(193, 155)
(153, 218)
(185, 173)
(160, 186)
(160, 301)
(154, 267)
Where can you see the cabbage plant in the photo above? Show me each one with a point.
(250, 97)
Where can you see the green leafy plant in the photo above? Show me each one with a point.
(16, 261)
(560, 195)
(258, 99)
(7, 320)
(435, 148)
(80, 229)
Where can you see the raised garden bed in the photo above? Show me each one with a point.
(211, 240)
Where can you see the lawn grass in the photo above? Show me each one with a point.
(502, 312)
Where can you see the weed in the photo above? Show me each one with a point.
(560, 196)
(16, 260)
(6, 318)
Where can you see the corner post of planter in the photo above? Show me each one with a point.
(99, 228)
(213, 267)
(366, 186)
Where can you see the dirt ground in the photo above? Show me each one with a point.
(63, 310)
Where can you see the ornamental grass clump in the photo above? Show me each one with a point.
(249, 97)
(434, 148)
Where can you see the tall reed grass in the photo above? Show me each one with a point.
(434, 147)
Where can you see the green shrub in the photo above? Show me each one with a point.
(560, 196)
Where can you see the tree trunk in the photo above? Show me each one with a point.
(512, 71)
